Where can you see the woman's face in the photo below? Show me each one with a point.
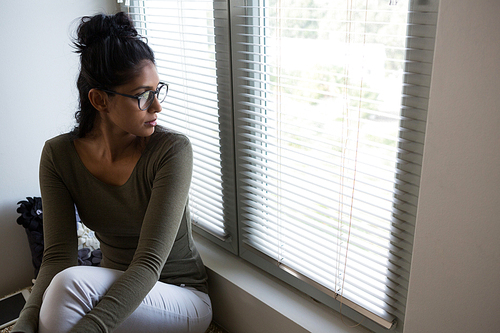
(124, 114)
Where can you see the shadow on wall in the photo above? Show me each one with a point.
(15, 262)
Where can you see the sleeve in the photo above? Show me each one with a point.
(60, 238)
(159, 229)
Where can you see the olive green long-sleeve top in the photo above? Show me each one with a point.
(143, 226)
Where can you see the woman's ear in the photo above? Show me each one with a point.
(99, 100)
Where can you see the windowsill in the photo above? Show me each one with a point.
(247, 299)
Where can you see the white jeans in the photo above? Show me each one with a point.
(167, 308)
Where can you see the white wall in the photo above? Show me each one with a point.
(38, 100)
(455, 274)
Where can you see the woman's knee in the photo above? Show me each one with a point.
(71, 294)
(81, 284)
(67, 284)
(66, 278)
(64, 301)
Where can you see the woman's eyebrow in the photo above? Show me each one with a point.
(143, 87)
(146, 88)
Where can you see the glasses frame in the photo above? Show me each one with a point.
(138, 98)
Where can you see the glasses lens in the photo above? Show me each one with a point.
(146, 99)
(162, 92)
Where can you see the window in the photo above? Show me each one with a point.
(192, 54)
(307, 119)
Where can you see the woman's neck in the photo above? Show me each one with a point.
(110, 158)
(113, 145)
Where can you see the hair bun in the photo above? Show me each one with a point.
(100, 27)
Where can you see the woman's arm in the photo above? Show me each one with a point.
(159, 229)
(60, 239)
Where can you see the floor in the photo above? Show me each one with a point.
(214, 328)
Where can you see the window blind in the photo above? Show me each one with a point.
(330, 111)
(325, 131)
(189, 39)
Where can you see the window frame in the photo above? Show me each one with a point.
(419, 54)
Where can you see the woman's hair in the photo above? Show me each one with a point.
(111, 52)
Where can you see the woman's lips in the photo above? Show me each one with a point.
(151, 123)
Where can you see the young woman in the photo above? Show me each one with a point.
(129, 180)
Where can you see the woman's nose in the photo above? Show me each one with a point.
(155, 107)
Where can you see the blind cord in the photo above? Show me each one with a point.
(279, 133)
(348, 37)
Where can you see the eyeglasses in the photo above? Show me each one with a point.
(145, 99)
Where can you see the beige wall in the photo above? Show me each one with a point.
(37, 94)
(455, 274)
